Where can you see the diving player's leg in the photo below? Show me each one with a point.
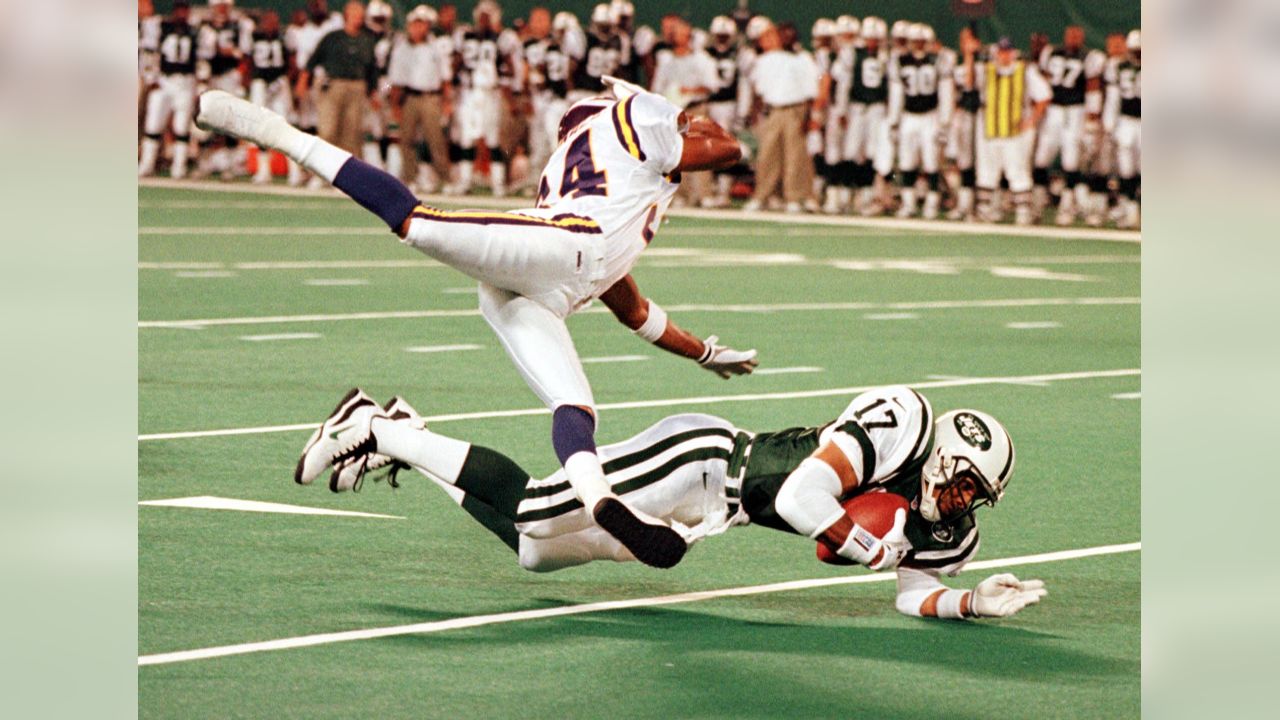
(485, 483)
(539, 345)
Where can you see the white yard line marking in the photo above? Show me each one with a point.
(1030, 383)
(762, 308)
(614, 359)
(209, 502)
(472, 290)
(672, 402)
(281, 336)
(204, 274)
(1128, 396)
(935, 263)
(1035, 273)
(442, 348)
(335, 282)
(890, 316)
(1033, 325)
(288, 231)
(584, 608)
(787, 370)
(921, 226)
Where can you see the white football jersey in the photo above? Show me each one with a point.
(881, 431)
(615, 168)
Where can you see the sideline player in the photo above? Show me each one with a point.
(1123, 120)
(600, 200)
(1075, 76)
(705, 476)
(170, 102)
(269, 70)
(921, 96)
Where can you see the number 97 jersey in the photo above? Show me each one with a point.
(616, 168)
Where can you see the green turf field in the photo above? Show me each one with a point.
(225, 283)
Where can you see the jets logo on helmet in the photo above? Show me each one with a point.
(973, 430)
(971, 450)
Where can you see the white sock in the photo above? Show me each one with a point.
(439, 456)
(586, 475)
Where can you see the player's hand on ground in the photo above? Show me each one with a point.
(725, 361)
(1004, 594)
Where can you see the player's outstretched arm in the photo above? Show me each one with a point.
(922, 594)
(646, 319)
(707, 146)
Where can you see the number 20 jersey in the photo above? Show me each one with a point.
(615, 168)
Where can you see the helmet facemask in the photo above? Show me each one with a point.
(945, 472)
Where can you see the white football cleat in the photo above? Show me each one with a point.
(344, 434)
(222, 112)
(350, 474)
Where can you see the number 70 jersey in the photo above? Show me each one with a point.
(616, 169)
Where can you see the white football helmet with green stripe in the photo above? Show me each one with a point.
(966, 444)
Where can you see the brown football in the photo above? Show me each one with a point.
(873, 511)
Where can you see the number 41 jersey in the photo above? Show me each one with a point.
(615, 169)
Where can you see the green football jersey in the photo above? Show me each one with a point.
(892, 429)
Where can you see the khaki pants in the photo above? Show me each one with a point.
(342, 107)
(420, 116)
(782, 155)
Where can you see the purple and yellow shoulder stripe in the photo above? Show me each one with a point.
(622, 125)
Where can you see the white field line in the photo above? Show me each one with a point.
(703, 257)
(787, 370)
(605, 606)
(281, 336)
(926, 226)
(335, 282)
(204, 274)
(1033, 325)
(890, 316)
(1029, 383)
(210, 502)
(674, 402)
(443, 348)
(614, 359)
(745, 308)
(1128, 396)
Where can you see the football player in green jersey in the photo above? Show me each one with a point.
(704, 476)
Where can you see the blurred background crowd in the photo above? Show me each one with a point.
(840, 115)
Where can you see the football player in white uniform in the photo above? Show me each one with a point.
(381, 132)
(866, 142)
(839, 78)
(704, 476)
(921, 97)
(269, 73)
(148, 51)
(600, 201)
(822, 114)
(169, 104)
(600, 55)
(1122, 118)
(1075, 74)
(723, 105)
(487, 61)
(218, 49)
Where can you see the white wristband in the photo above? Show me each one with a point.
(949, 604)
(655, 325)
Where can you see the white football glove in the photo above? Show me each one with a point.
(1003, 595)
(878, 553)
(725, 361)
(621, 88)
